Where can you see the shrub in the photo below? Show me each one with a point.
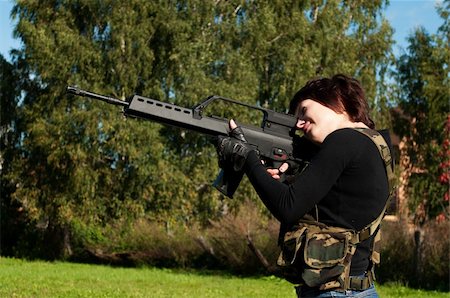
(397, 251)
(434, 256)
(245, 242)
(415, 256)
(146, 243)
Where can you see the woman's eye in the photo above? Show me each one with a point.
(301, 111)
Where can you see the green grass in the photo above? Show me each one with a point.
(19, 278)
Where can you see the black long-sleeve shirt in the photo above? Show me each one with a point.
(346, 179)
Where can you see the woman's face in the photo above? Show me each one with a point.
(317, 121)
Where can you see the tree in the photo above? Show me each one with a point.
(423, 77)
(10, 132)
(82, 165)
(81, 162)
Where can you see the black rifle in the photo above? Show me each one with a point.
(273, 140)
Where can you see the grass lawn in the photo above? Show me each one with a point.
(19, 278)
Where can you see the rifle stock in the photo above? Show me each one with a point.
(273, 140)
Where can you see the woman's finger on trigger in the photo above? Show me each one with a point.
(283, 167)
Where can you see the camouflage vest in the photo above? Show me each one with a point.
(318, 255)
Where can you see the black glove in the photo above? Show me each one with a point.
(233, 150)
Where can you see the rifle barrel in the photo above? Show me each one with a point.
(80, 92)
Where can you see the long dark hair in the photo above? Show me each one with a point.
(339, 93)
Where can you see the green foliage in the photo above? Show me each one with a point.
(80, 166)
(423, 78)
(11, 215)
(76, 175)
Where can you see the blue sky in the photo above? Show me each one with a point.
(404, 16)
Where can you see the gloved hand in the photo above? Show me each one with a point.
(234, 149)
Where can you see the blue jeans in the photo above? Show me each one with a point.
(305, 291)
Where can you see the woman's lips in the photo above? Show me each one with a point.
(306, 127)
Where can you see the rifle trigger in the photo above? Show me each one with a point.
(279, 154)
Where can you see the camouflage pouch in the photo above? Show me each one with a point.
(292, 254)
(317, 255)
(327, 256)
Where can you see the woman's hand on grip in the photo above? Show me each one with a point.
(276, 173)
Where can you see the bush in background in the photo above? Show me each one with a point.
(434, 258)
(397, 251)
(416, 257)
(245, 242)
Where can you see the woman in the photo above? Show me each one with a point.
(345, 184)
